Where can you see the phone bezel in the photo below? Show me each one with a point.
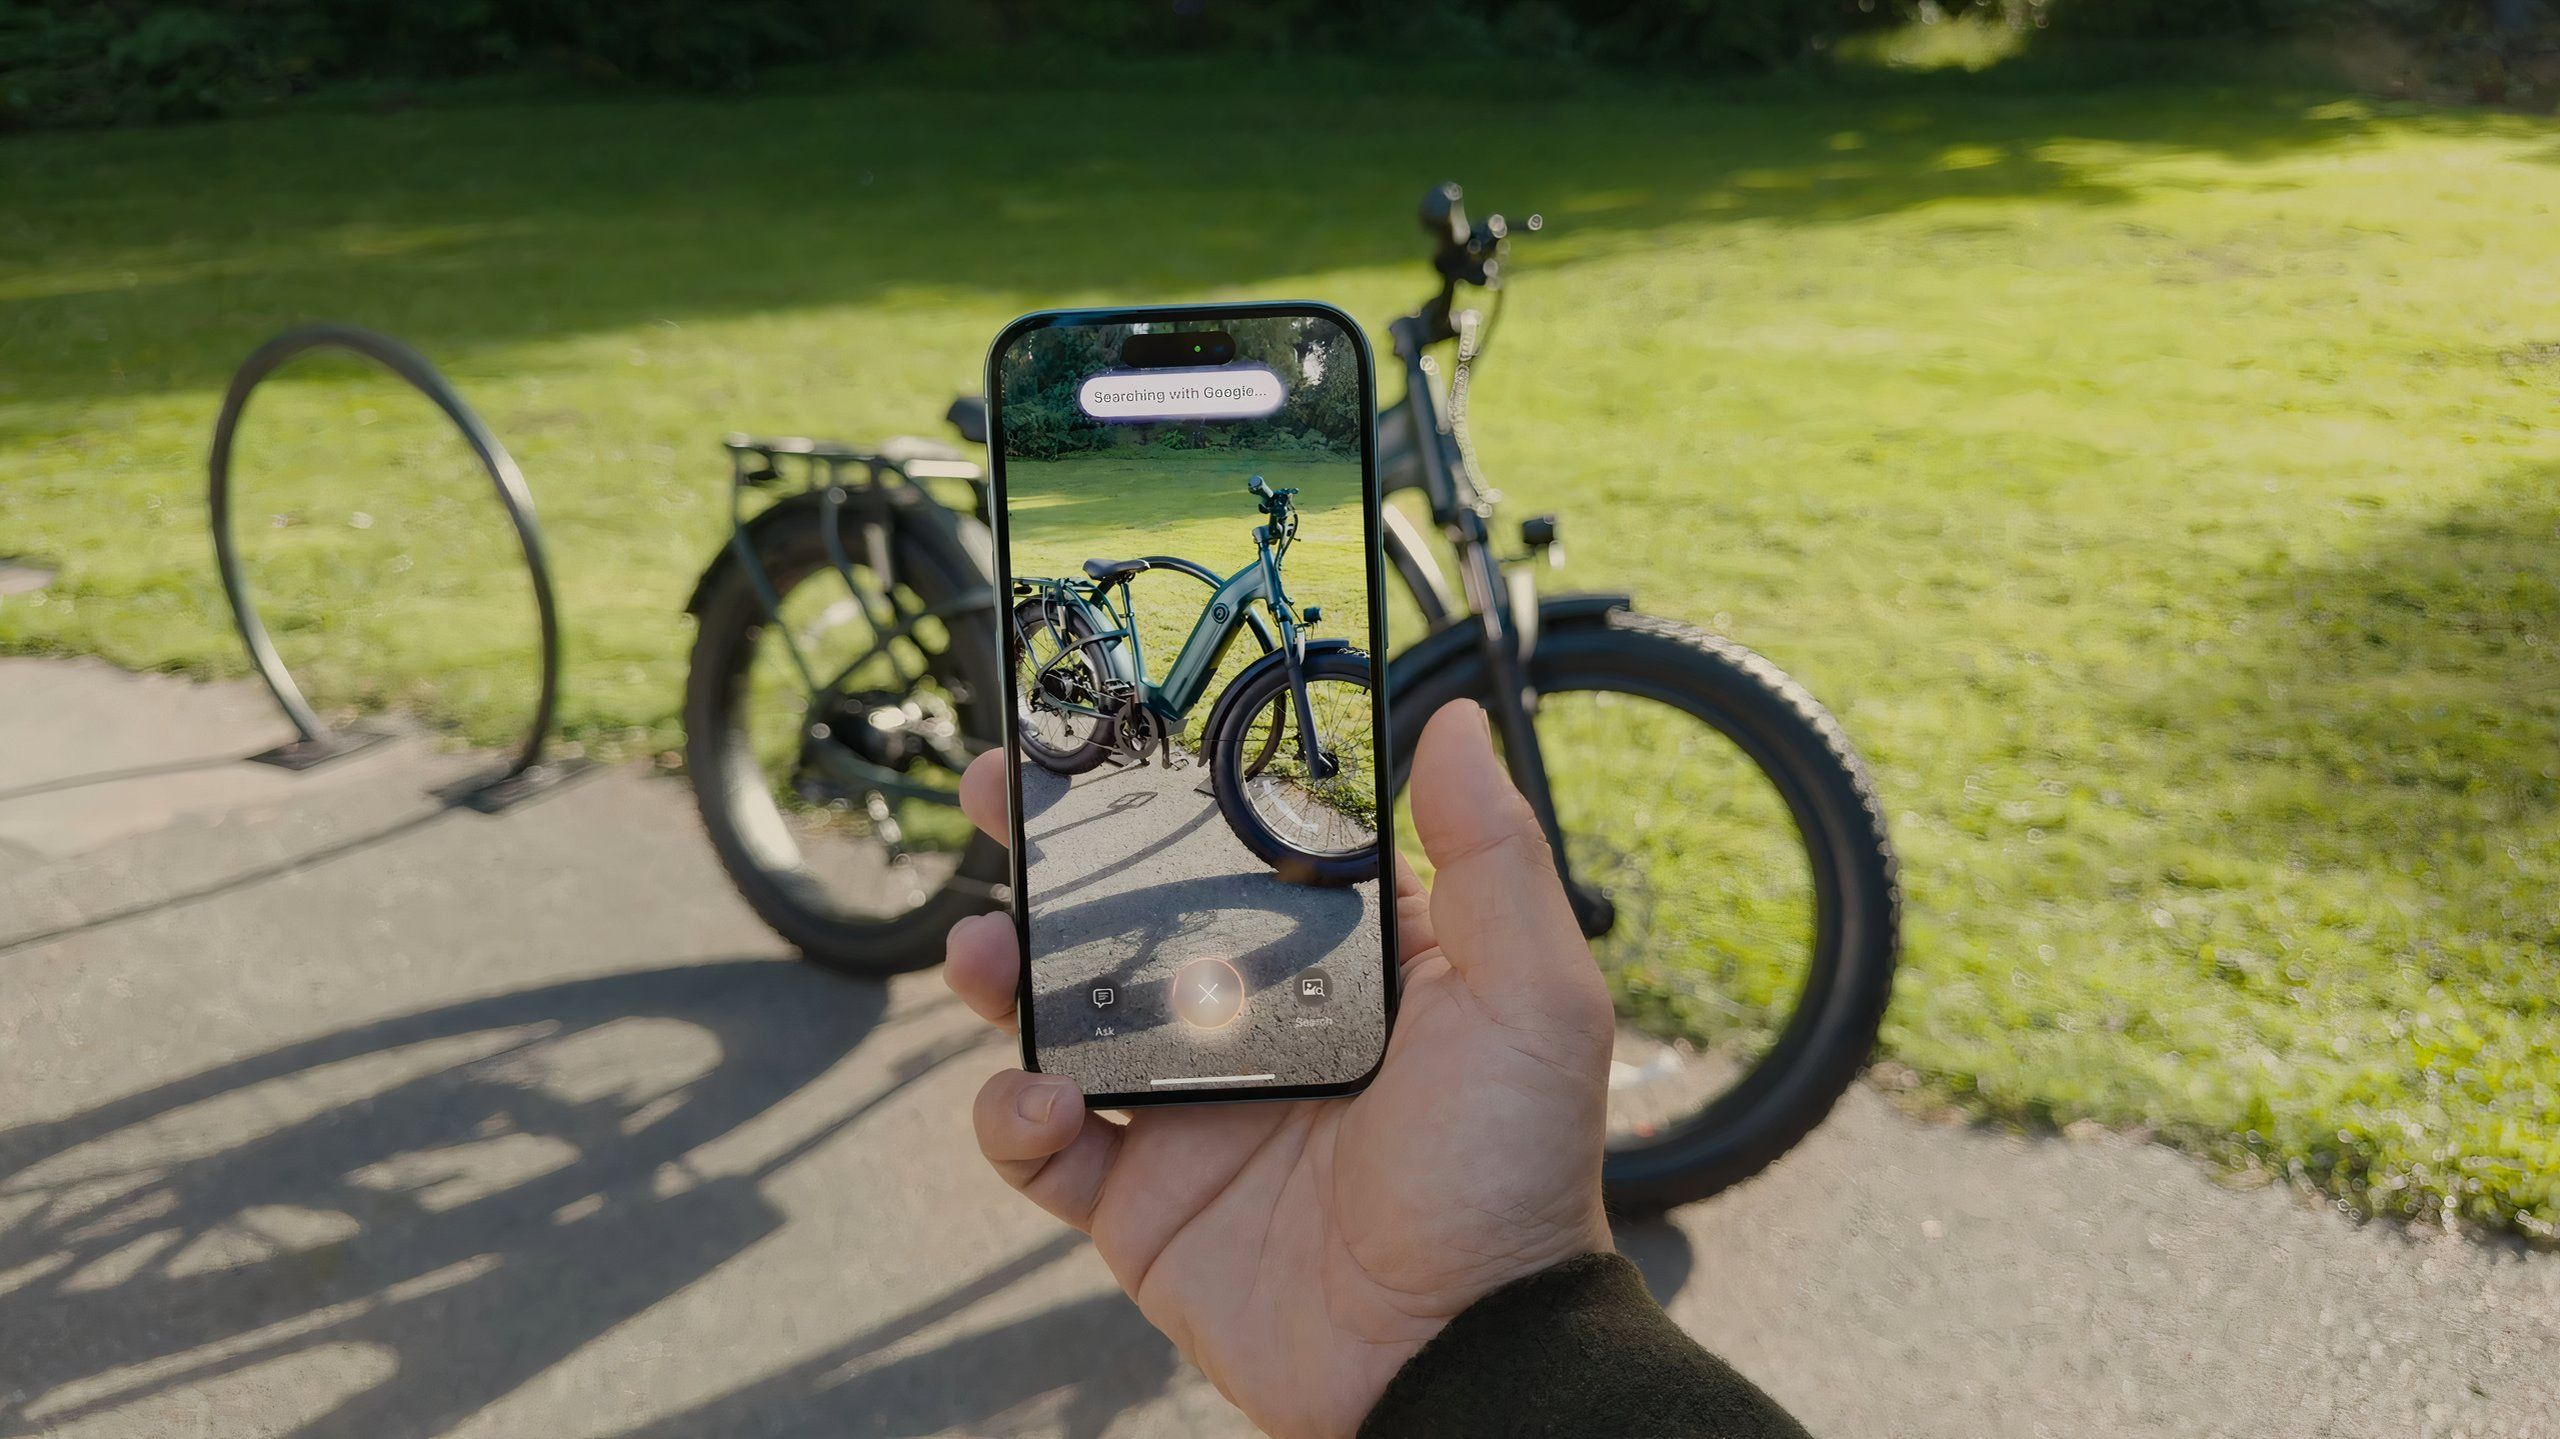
(1018, 903)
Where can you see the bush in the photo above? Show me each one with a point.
(2197, 19)
(90, 65)
(94, 62)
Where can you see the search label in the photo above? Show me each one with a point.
(1225, 392)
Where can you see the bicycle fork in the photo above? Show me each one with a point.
(1507, 636)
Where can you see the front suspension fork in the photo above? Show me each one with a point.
(1509, 635)
(1321, 764)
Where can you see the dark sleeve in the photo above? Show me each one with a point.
(1580, 1349)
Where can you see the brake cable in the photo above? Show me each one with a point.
(1475, 334)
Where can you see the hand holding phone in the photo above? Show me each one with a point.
(1300, 1253)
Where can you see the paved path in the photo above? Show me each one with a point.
(327, 1110)
(1134, 874)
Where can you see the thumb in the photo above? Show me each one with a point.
(1497, 908)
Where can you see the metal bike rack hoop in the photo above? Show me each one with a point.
(318, 743)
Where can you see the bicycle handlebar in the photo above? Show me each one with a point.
(1273, 501)
(1464, 253)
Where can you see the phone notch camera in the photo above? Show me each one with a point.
(1169, 350)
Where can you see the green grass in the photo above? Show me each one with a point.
(2159, 482)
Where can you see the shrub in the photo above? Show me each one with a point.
(91, 62)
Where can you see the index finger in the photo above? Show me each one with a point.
(982, 796)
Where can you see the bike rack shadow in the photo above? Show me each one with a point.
(454, 1189)
(317, 744)
(246, 879)
(197, 765)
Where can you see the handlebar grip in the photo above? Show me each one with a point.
(1444, 219)
(1256, 487)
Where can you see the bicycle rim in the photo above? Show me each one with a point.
(1329, 818)
(852, 852)
(1050, 667)
(1715, 902)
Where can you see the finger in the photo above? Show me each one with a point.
(1413, 915)
(1497, 908)
(1037, 1133)
(982, 796)
(982, 962)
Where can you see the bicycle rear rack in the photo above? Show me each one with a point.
(317, 743)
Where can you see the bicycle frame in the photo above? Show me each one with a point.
(1119, 652)
(1417, 451)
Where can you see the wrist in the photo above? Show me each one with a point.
(1579, 1347)
(1382, 1359)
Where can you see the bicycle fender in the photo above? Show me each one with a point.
(1451, 644)
(1454, 645)
(1124, 665)
(963, 538)
(1274, 660)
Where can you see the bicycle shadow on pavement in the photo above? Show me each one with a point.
(448, 1202)
(1660, 1250)
(1143, 921)
(1070, 1369)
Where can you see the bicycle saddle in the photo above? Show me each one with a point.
(1103, 572)
(968, 415)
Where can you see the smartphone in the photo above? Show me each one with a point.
(1187, 524)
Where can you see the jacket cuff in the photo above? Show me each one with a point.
(1579, 1349)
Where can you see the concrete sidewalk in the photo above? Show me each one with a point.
(328, 1109)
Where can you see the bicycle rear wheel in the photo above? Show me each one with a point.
(862, 877)
(1053, 673)
(1747, 905)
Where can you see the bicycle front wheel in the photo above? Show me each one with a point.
(1736, 882)
(1311, 827)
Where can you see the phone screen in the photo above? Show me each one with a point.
(1188, 525)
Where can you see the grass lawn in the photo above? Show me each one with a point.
(2160, 482)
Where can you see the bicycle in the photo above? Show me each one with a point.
(1717, 834)
(1749, 989)
(1309, 813)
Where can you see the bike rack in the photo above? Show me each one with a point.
(318, 744)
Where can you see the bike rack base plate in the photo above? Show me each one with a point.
(305, 754)
(490, 795)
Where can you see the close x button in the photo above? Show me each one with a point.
(1208, 993)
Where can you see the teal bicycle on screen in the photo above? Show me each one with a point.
(1289, 741)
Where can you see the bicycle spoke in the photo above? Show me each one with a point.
(1336, 815)
(1710, 890)
(863, 769)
